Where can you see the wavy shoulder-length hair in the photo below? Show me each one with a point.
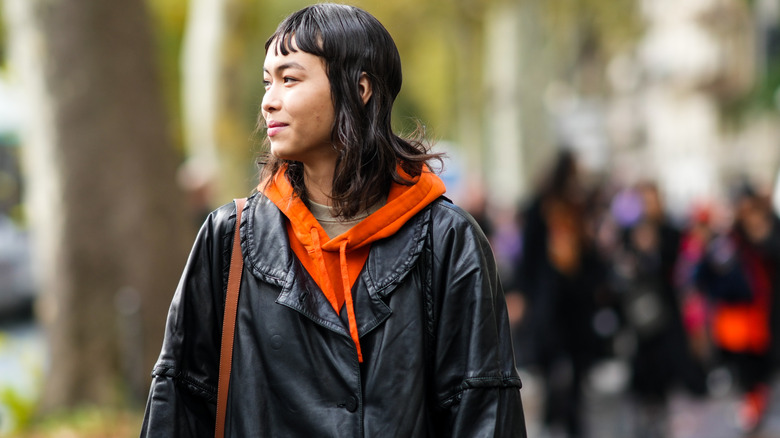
(352, 42)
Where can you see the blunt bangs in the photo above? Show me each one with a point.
(350, 41)
(299, 32)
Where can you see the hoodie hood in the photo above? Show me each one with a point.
(336, 263)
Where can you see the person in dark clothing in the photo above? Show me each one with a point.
(370, 305)
(560, 275)
(644, 279)
(739, 275)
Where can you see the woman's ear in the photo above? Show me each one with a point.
(364, 87)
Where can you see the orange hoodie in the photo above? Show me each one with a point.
(336, 263)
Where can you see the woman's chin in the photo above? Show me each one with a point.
(281, 154)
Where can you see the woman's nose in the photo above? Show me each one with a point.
(271, 100)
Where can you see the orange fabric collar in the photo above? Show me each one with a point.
(335, 263)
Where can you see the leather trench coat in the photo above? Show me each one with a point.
(437, 354)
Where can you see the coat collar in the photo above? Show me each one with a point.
(267, 255)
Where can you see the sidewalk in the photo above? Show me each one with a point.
(610, 412)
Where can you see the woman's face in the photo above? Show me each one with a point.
(298, 108)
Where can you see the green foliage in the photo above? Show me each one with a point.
(614, 24)
(765, 94)
(3, 38)
(18, 405)
(763, 98)
(86, 422)
(19, 410)
(767, 91)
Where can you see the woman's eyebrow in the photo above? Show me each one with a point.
(287, 65)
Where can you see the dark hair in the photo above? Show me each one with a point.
(562, 174)
(352, 42)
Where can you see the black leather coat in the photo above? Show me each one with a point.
(438, 358)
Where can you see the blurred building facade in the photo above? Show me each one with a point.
(654, 108)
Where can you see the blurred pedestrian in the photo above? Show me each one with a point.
(739, 274)
(694, 306)
(370, 304)
(560, 274)
(644, 279)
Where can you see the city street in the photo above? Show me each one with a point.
(610, 413)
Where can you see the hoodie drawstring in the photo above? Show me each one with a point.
(325, 278)
(353, 331)
(320, 260)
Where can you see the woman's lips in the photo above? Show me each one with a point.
(274, 128)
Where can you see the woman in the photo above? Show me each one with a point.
(562, 278)
(369, 305)
(739, 274)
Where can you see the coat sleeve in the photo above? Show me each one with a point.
(476, 383)
(182, 398)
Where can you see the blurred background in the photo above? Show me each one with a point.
(622, 156)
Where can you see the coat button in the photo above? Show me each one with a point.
(351, 404)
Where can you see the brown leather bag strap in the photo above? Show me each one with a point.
(229, 322)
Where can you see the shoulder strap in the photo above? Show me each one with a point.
(229, 322)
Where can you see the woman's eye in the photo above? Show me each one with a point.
(288, 80)
(266, 83)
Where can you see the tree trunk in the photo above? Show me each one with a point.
(110, 222)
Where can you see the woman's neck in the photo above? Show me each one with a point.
(318, 181)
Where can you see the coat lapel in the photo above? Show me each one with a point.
(302, 294)
(388, 264)
(267, 255)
